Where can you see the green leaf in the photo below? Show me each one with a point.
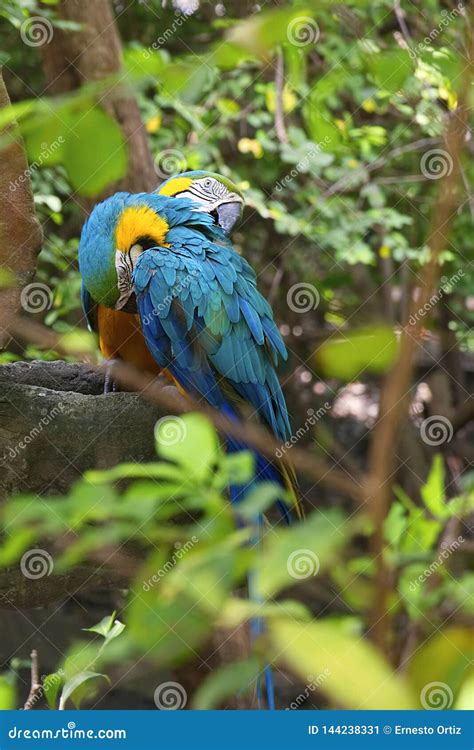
(109, 628)
(7, 694)
(189, 441)
(263, 32)
(51, 686)
(347, 357)
(221, 684)
(391, 68)
(355, 674)
(94, 152)
(72, 685)
(447, 658)
(433, 492)
(298, 553)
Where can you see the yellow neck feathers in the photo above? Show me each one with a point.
(136, 222)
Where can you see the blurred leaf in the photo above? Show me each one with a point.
(300, 552)
(355, 675)
(94, 153)
(391, 68)
(261, 33)
(193, 445)
(231, 679)
(71, 687)
(433, 491)
(446, 657)
(51, 685)
(363, 350)
(7, 694)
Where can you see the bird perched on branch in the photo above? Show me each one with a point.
(119, 331)
(203, 319)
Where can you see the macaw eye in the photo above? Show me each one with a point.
(207, 183)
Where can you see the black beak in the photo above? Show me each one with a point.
(228, 214)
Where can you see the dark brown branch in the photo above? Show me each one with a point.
(20, 230)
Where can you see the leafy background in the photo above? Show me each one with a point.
(339, 176)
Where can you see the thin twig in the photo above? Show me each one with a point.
(36, 687)
(280, 128)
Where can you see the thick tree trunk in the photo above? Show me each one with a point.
(94, 52)
(20, 230)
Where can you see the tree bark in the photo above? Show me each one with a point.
(20, 231)
(94, 52)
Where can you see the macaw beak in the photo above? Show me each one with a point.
(228, 214)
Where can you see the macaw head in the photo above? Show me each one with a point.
(118, 230)
(215, 194)
(112, 238)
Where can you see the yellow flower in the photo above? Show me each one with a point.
(369, 105)
(153, 124)
(250, 146)
(384, 251)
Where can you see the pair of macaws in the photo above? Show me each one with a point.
(165, 290)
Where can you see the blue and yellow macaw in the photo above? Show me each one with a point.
(203, 319)
(119, 332)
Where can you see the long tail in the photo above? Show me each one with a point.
(265, 471)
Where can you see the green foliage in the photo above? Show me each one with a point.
(185, 588)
